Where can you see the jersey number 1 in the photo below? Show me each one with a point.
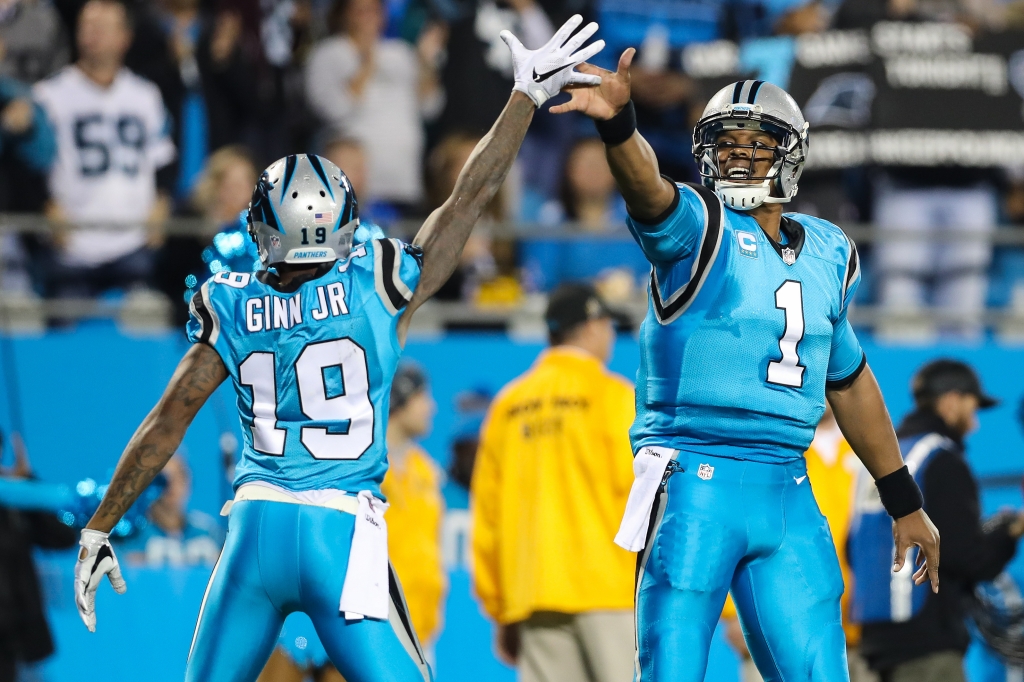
(259, 373)
(788, 371)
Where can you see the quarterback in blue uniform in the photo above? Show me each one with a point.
(745, 338)
(311, 343)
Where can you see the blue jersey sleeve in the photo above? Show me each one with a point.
(675, 234)
(847, 359)
(396, 272)
(204, 324)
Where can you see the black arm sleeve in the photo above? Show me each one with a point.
(969, 552)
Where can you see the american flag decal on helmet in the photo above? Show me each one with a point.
(325, 218)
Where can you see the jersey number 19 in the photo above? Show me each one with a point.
(259, 372)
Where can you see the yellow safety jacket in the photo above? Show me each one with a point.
(833, 477)
(551, 480)
(413, 491)
(832, 471)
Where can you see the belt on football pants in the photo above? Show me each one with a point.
(344, 503)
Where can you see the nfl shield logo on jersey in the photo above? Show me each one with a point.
(788, 255)
(705, 472)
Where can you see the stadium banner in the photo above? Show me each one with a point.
(899, 94)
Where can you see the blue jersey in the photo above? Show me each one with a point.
(742, 334)
(312, 365)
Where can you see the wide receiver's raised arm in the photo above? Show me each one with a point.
(631, 158)
(862, 417)
(446, 230)
(539, 75)
(198, 375)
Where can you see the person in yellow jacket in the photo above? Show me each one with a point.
(832, 469)
(412, 487)
(552, 476)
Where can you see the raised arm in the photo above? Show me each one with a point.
(862, 417)
(198, 375)
(446, 230)
(632, 160)
(539, 75)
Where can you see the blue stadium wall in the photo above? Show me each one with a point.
(82, 394)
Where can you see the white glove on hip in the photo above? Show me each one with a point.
(95, 560)
(541, 74)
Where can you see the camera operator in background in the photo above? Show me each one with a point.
(911, 634)
(24, 634)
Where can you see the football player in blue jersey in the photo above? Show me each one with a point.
(745, 338)
(311, 344)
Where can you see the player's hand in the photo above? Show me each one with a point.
(541, 74)
(918, 529)
(95, 560)
(606, 100)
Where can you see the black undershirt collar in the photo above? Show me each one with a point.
(794, 234)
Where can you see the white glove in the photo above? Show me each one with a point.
(95, 560)
(541, 74)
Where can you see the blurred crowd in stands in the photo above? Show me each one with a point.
(134, 111)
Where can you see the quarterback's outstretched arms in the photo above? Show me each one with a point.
(539, 75)
(862, 417)
(631, 158)
(198, 375)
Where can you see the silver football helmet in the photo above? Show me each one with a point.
(752, 105)
(303, 210)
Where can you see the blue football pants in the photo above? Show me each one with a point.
(280, 558)
(754, 528)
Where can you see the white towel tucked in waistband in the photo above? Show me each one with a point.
(648, 468)
(365, 592)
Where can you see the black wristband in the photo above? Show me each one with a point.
(899, 493)
(619, 127)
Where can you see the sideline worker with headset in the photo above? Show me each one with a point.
(552, 476)
(909, 633)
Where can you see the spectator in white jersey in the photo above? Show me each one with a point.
(112, 139)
